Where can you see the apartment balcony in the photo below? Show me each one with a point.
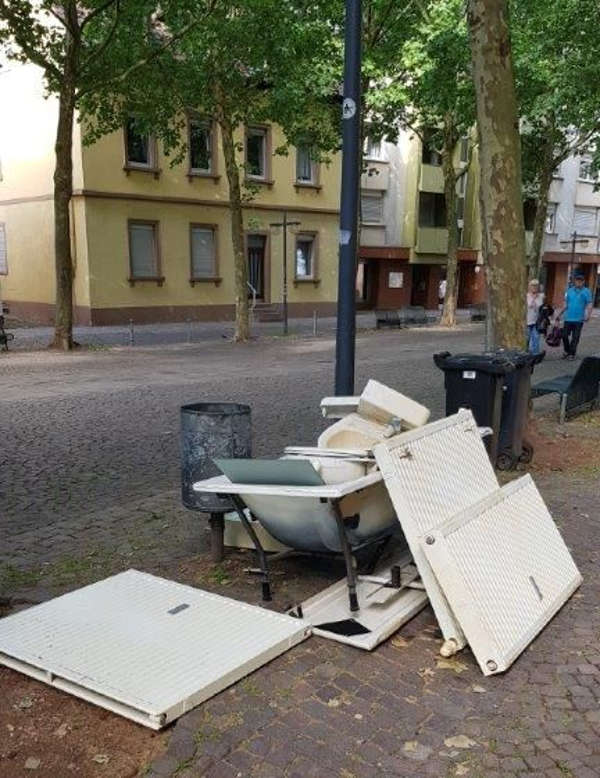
(432, 240)
(431, 179)
(377, 177)
(372, 235)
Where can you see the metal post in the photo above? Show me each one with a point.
(351, 161)
(189, 331)
(285, 300)
(314, 324)
(131, 333)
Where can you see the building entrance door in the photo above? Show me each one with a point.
(420, 283)
(256, 245)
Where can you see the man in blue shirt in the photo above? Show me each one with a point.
(577, 310)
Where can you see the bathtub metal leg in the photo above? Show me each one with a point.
(350, 571)
(260, 552)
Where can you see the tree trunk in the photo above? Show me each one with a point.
(63, 190)
(450, 298)
(242, 323)
(545, 179)
(500, 164)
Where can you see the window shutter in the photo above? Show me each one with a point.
(143, 251)
(3, 255)
(203, 253)
(584, 222)
(303, 164)
(371, 209)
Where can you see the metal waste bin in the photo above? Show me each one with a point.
(209, 431)
(495, 386)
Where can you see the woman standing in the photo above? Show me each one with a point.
(535, 300)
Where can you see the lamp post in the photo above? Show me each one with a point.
(285, 224)
(351, 162)
(573, 241)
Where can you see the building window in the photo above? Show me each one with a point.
(203, 252)
(584, 221)
(305, 166)
(429, 156)
(464, 150)
(201, 146)
(305, 256)
(460, 209)
(373, 148)
(371, 208)
(3, 252)
(432, 210)
(586, 170)
(256, 152)
(144, 261)
(551, 219)
(140, 148)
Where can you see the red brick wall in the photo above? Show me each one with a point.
(386, 298)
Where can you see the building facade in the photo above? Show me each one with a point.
(572, 229)
(152, 241)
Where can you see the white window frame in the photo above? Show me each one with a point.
(313, 166)
(374, 197)
(152, 151)
(212, 228)
(585, 173)
(133, 276)
(550, 225)
(592, 211)
(374, 149)
(208, 125)
(263, 133)
(311, 238)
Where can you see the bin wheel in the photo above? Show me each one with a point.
(505, 462)
(526, 453)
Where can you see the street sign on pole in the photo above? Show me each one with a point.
(351, 169)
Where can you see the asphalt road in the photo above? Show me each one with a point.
(88, 438)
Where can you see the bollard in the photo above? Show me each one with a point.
(131, 333)
(314, 324)
(189, 331)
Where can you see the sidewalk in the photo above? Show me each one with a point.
(34, 337)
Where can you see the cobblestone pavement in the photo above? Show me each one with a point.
(89, 484)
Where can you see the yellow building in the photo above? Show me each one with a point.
(151, 241)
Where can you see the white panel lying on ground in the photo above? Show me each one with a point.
(505, 570)
(382, 610)
(431, 473)
(144, 647)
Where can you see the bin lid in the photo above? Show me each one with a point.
(495, 363)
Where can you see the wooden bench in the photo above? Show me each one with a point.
(577, 392)
(5, 337)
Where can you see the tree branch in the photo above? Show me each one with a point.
(95, 55)
(148, 59)
(97, 11)
(15, 22)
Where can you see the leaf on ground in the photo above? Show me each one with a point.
(459, 741)
(333, 703)
(400, 642)
(62, 730)
(462, 769)
(479, 689)
(453, 664)
(24, 703)
(415, 750)
(101, 758)
(426, 672)
(412, 700)
(32, 763)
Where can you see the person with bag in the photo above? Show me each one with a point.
(576, 310)
(535, 300)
